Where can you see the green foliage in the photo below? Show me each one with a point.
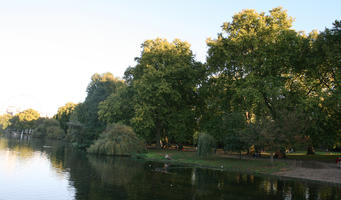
(55, 132)
(252, 57)
(259, 66)
(28, 115)
(24, 120)
(164, 82)
(48, 128)
(323, 88)
(235, 137)
(272, 135)
(206, 144)
(76, 132)
(86, 113)
(63, 115)
(5, 121)
(118, 107)
(118, 139)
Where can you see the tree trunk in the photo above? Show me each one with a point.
(158, 136)
(310, 150)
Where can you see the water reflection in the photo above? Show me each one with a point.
(52, 170)
(26, 173)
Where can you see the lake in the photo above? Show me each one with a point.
(33, 169)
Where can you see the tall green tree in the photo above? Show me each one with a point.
(322, 86)
(251, 64)
(165, 82)
(86, 113)
(63, 115)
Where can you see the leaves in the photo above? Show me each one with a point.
(118, 139)
(24, 119)
(164, 83)
(64, 113)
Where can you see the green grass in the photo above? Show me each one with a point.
(262, 166)
(220, 161)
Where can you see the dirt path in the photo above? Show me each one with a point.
(309, 170)
(312, 170)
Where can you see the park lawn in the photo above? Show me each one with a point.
(261, 166)
(249, 165)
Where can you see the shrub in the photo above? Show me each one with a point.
(48, 128)
(55, 132)
(206, 144)
(118, 139)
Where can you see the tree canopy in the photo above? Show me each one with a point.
(254, 64)
(100, 87)
(165, 82)
(24, 119)
(64, 113)
(5, 121)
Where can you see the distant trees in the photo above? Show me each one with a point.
(24, 120)
(48, 128)
(64, 113)
(5, 121)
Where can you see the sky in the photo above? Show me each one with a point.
(50, 49)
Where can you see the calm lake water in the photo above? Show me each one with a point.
(51, 170)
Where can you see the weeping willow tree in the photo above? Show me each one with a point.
(206, 144)
(118, 139)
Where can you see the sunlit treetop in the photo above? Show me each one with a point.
(28, 115)
(162, 45)
(249, 22)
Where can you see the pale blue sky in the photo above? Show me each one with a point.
(50, 49)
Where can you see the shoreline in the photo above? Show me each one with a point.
(312, 171)
(327, 174)
(303, 170)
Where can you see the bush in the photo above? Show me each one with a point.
(206, 144)
(75, 134)
(48, 128)
(55, 132)
(118, 139)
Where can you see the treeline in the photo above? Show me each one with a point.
(264, 85)
(23, 122)
(29, 122)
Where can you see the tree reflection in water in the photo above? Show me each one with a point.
(95, 177)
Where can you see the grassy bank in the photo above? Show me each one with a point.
(263, 166)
